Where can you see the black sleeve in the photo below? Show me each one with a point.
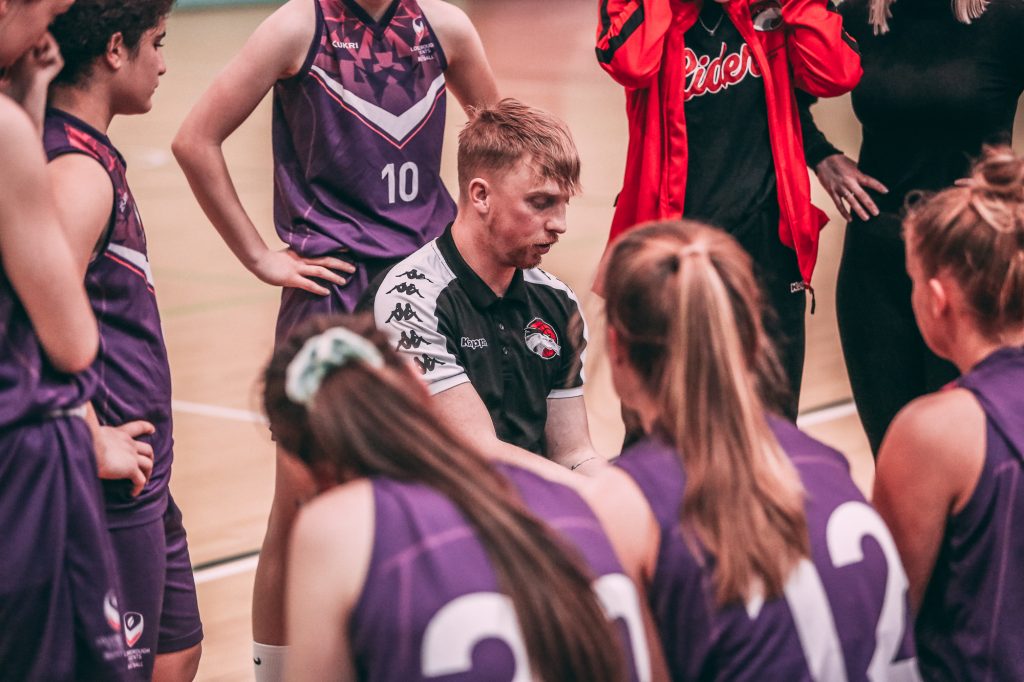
(816, 146)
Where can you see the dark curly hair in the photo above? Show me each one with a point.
(84, 31)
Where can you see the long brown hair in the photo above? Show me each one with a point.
(686, 305)
(370, 422)
(975, 232)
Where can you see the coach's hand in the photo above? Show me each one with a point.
(119, 455)
(285, 268)
(846, 185)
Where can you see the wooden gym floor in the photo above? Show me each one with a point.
(219, 319)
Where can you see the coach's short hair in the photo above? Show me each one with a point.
(499, 135)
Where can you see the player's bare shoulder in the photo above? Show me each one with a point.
(451, 24)
(288, 34)
(16, 129)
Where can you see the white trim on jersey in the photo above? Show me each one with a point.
(538, 276)
(136, 258)
(398, 126)
(446, 372)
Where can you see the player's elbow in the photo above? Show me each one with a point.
(73, 354)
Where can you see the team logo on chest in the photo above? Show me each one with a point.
(542, 339)
(133, 627)
(704, 74)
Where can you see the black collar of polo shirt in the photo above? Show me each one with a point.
(480, 295)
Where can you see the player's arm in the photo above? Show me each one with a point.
(469, 75)
(633, 531)
(26, 81)
(84, 197)
(928, 467)
(328, 560)
(35, 254)
(631, 39)
(276, 50)
(824, 58)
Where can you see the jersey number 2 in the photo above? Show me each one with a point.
(405, 184)
(463, 622)
(847, 527)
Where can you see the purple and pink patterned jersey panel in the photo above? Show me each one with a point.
(357, 136)
(431, 607)
(132, 368)
(844, 615)
(971, 622)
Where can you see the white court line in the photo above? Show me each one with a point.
(227, 570)
(216, 411)
(826, 414)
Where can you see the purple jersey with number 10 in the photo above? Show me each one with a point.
(971, 622)
(431, 607)
(132, 368)
(357, 136)
(845, 610)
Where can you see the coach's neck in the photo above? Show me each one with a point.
(470, 237)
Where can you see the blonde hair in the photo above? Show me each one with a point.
(685, 302)
(975, 232)
(965, 11)
(498, 136)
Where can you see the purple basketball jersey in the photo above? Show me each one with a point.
(971, 622)
(844, 613)
(132, 369)
(30, 388)
(431, 607)
(357, 136)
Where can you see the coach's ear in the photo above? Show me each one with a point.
(480, 195)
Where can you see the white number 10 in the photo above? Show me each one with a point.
(406, 185)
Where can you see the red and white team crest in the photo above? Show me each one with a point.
(542, 339)
(133, 627)
(111, 612)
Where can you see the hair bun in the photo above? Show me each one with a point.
(999, 173)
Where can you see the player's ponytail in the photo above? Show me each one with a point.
(685, 304)
(372, 421)
(975, 232)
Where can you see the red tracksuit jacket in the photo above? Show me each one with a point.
(640, 43)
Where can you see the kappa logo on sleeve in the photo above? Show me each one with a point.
(542, 339)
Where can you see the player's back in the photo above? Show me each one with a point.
(971, 619)
(357, 136)
(431, 605)
(844, 613)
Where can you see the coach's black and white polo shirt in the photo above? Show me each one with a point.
(518, 350)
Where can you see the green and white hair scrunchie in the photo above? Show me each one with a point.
(329, 350)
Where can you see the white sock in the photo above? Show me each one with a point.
(268, 661)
